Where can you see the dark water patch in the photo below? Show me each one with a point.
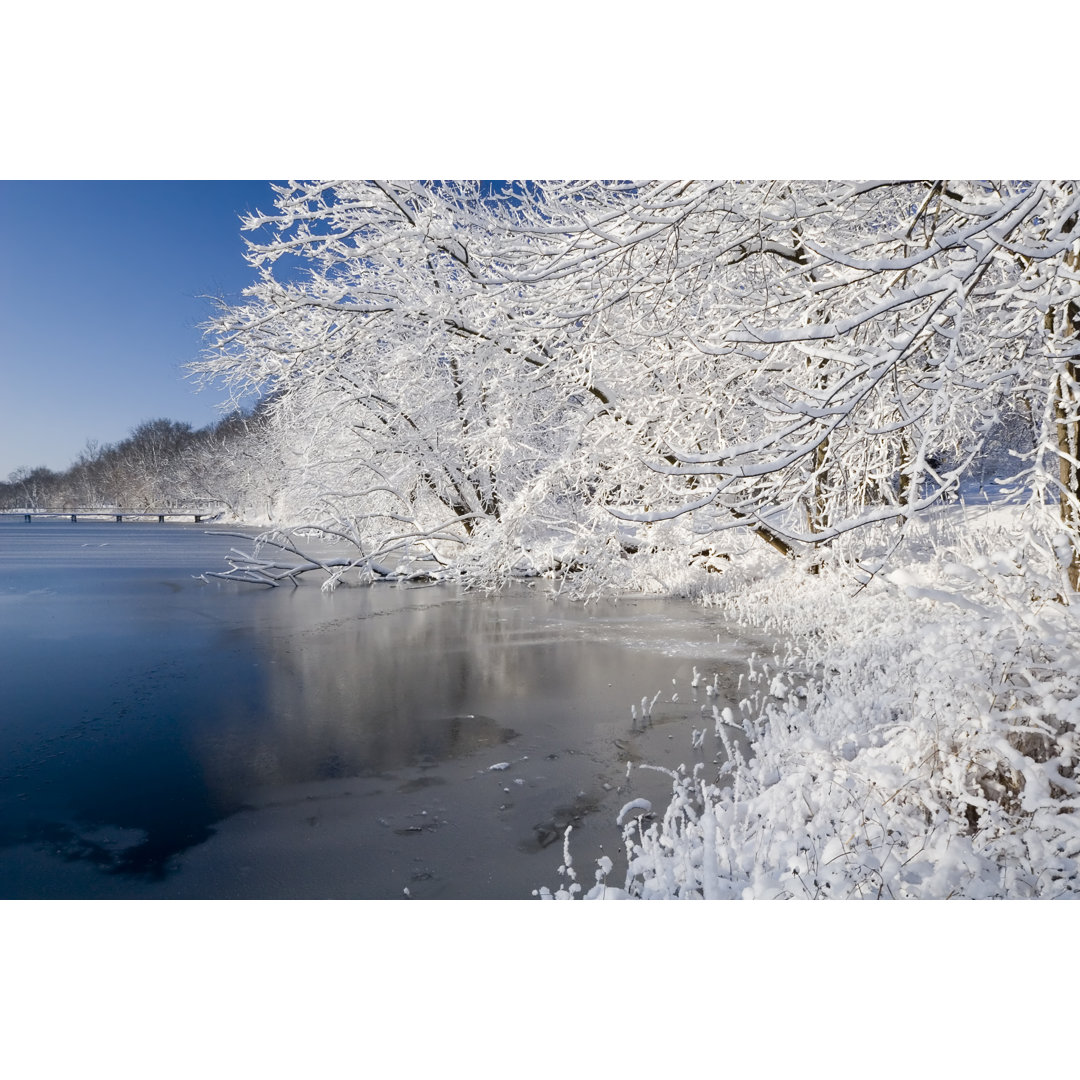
(150, 859)
(420, 783)
(552, 829)
(459, 736)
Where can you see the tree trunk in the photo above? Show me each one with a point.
(1067, 422)
(1064, 324)
(819, 510)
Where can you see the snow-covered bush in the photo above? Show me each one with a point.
(919, 741)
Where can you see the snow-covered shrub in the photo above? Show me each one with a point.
(919, 741)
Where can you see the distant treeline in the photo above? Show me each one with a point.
(161, 463)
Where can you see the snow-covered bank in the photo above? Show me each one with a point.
(918, 740)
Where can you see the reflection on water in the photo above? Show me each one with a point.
(162, 736)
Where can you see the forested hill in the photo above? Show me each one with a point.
(161, 462)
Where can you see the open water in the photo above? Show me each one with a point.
(166, 737)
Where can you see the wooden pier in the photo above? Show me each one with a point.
(116, 513)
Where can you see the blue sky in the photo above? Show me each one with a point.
(102, 287)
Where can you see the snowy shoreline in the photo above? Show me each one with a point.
(917, 741)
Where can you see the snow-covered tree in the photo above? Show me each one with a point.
(800, 359)
(395, 354)
(813, 358)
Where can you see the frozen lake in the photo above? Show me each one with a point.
(164, 737)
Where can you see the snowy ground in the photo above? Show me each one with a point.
(917, 740)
